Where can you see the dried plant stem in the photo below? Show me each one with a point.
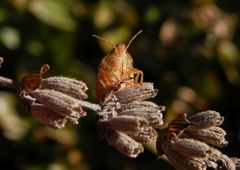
(91, 106)
(10, 83)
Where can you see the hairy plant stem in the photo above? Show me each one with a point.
(88, 105)
(10, 83)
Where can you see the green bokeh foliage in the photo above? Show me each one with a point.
(188, 49)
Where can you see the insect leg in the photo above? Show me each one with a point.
(138, 78)
(141, 76)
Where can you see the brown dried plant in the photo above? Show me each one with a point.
(53, 101)
(189, 142)
(126, 119)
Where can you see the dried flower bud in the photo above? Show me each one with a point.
(60, 103)
(180, 153)
(206, 119)
(183, 162)
(69, 86)
(202, 129)
(144, 109)
(127, 123)
(136, 93)
(47, 117)
(217, 160)
(124, 144)
(146, 135)
(185, 142)
(214, 136)
(53, 101)
(126, 113)
(191, 147)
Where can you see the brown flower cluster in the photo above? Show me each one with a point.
(53, 101)
(127, 120)
(189, 139)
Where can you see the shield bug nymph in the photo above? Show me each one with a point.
(117, 68)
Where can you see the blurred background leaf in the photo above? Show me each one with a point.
(188, 49)
(54, 13)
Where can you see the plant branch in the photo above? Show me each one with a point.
(91, 106)
(10, 83)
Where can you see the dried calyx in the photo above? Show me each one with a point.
(191, 138)
(127, 120)
(53, 101)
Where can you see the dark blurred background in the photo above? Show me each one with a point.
(189, 49)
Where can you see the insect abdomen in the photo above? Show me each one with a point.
(109, 75)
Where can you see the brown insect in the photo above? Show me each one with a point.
(115, 69)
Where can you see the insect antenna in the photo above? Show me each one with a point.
(106, 41)
(129, 43)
